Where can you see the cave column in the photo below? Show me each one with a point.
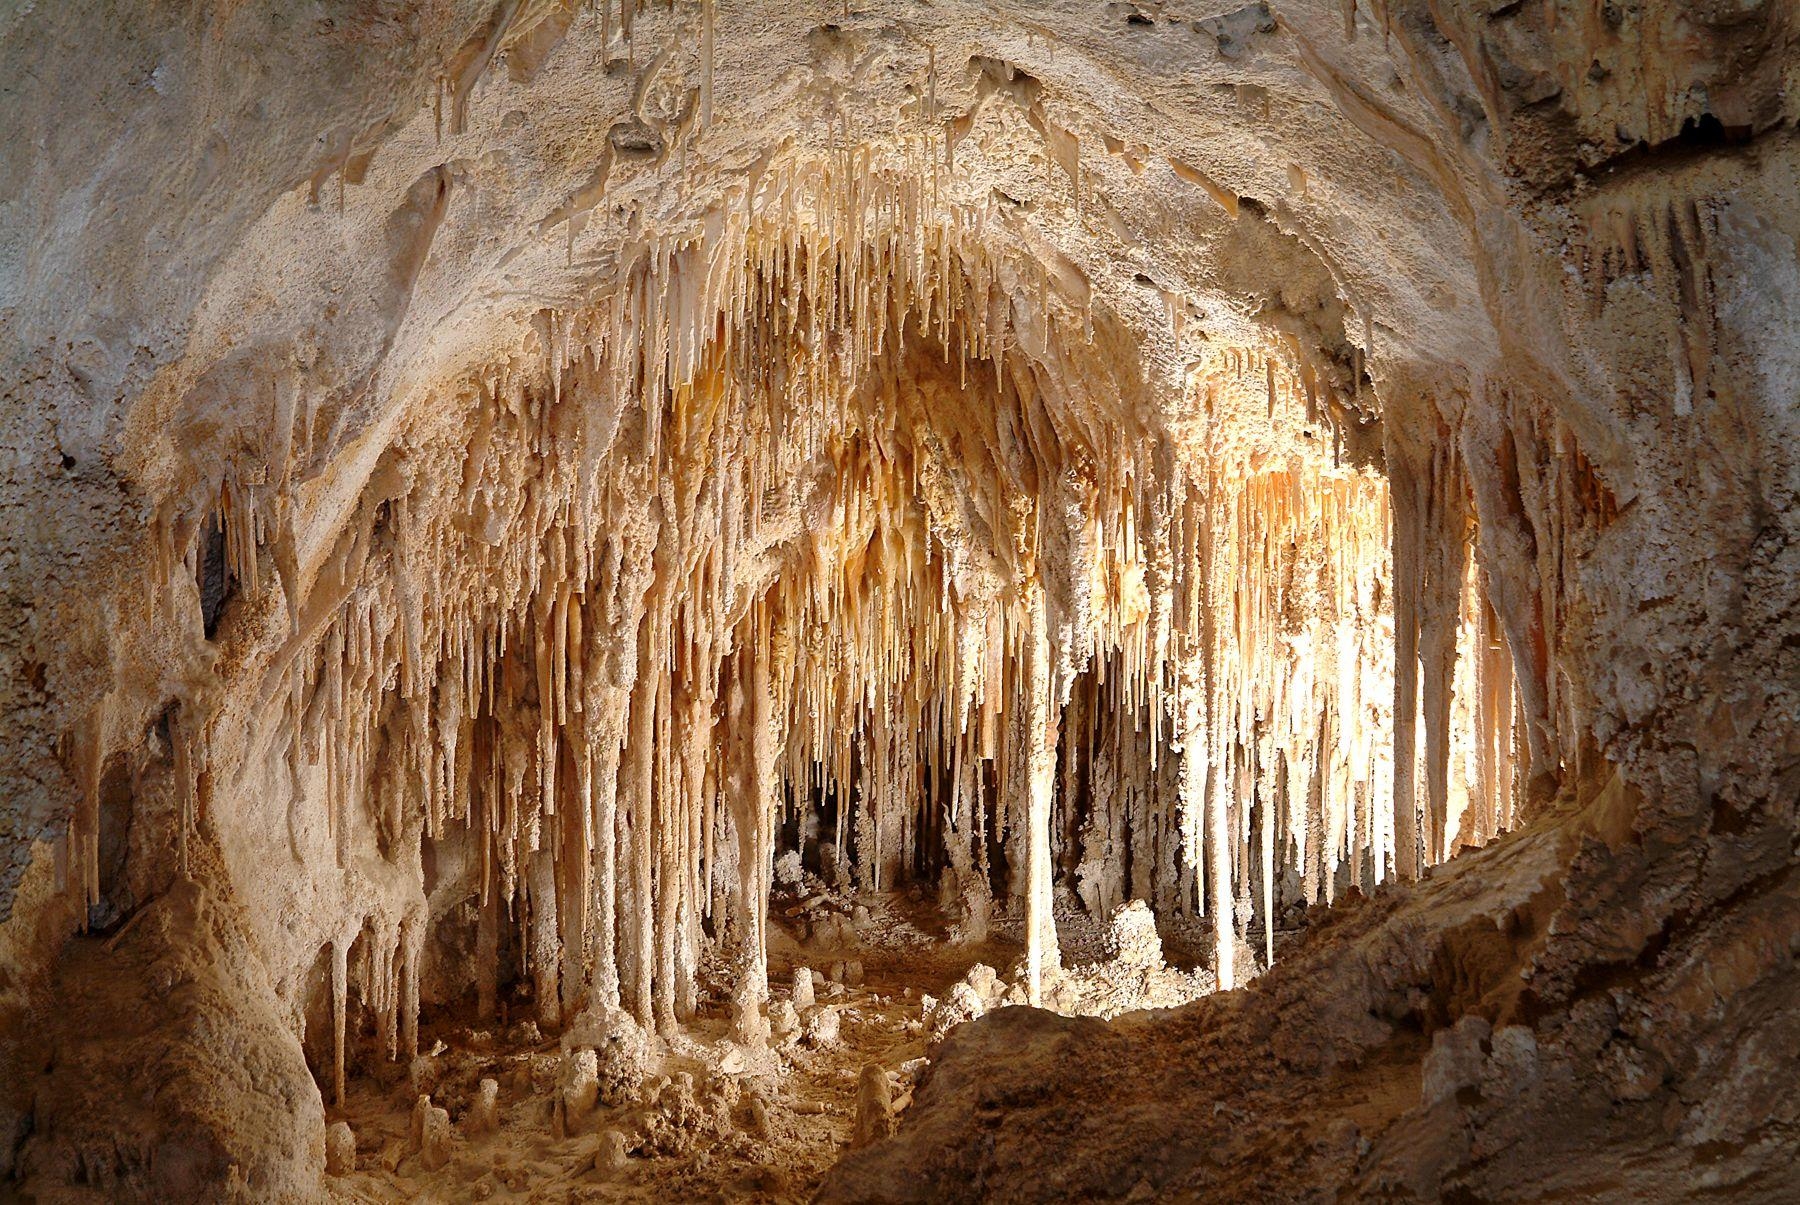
(665, 878)
(1041, 949)
(1409, 572)
(747, 1021)
(340, 991)
(603, 990)
(697, 749)
(1190, 736)
(751, 804)
(546, 953)
(1220, 837)
(574, 890)
(412, 948)
(487, 954)
(762, 799)
(639, 936)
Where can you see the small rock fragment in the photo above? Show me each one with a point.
(784, 1020)
(422, 1076)
(1131, 936)
(961, 1003)
(1455, 1059)
(986, 982)
(613, 1152)
(621, 1052)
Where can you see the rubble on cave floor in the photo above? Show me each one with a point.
(864, 987)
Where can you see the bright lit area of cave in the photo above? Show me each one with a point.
(904, 601)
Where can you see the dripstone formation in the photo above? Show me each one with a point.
(921, 601)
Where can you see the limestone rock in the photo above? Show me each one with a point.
(787, 869)
(621, 1050)
(1132, 938)
(874, 1107)
(578, 1089)
(613, 1152)
(819, 1025)
(984, 981)
(486, 483)
(483, 1116)
(1455, 1060)
(340, 1149)
(961, 1003)
(784, 1021)
(431, 1136)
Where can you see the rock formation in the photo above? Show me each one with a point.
(529, 520)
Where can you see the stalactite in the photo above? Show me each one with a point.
(803, 511)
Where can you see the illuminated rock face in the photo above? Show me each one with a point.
(484, 483)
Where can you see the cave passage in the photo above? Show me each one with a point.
(1058, 600)
(791, 610)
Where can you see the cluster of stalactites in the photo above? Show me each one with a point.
(709, 548)
(557, 646)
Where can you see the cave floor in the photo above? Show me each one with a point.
(762, 1126)
(806, 1091)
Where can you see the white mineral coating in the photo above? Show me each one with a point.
(784, 1019)
(621, 1050)
(984, 981)
(1131, 936)
(961, 1003)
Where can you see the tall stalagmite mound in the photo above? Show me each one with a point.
(490, 484)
